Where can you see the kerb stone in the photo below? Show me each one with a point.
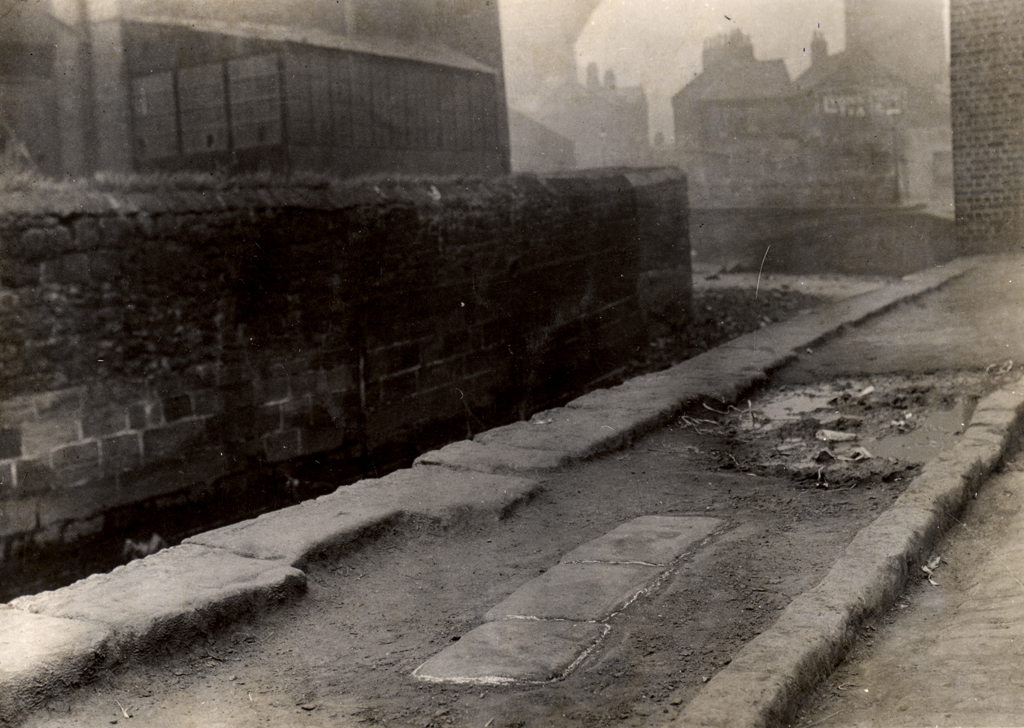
(170, 597)
(493, 458)
(40, 656)
(320, 527)
(579, 433)
(448, 495)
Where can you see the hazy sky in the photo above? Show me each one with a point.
(657, 43)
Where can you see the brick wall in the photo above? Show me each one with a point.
(987, 85)
(161, 346)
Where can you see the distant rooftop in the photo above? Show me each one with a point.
(426, 53)
(846, 70)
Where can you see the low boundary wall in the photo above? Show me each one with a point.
(870, 240)
(158, 349)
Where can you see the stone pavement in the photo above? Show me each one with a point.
(954, 656)
(48, 640)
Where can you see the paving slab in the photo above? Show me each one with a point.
(580, 592)
(649, 540)
(516, 650)
(493, 458)
(170, 597)
(40, 655)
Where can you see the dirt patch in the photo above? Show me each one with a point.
(720, 315)
(847, 432)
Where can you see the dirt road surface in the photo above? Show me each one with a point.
(790, 491)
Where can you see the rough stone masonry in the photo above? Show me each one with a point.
(160, 346)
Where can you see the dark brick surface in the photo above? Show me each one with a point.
(104, 420)
(381, 326)
(121, 453)
(173, 440)
(177, 407)
(34, 476)
(6, 480)
(10, 443)
(283, 445)
(987, 88)
(76, 456)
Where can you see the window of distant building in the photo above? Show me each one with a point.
(320, 98)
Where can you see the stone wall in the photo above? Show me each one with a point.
(158, 348)
(874, 241)
(987, 85)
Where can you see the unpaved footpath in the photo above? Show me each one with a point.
(789, 501)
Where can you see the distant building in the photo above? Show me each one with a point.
(607, 123)
(734, 99)
(536, 148)
(852, 113)
(908, 40)
(737, 130)
(750, 137)
(352, 87)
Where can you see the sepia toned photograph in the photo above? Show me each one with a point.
(511, 363)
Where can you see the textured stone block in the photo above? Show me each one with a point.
(580, 592)
(170, 598)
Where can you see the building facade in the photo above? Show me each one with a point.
(748, 136)
(348, 88)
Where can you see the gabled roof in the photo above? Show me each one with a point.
(740, 81)
(847, 70)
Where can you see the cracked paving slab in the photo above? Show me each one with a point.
(550, 624)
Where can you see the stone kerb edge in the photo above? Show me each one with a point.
(867, 578)
(246, 583)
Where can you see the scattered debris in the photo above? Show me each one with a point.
(1003, 368)
(930, 567)
(693, 422)
(856, 455)
(834, 436)
(870, 389)
(824, 456)
(123, 711)
(140, 549)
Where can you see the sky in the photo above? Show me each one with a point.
(658, 43)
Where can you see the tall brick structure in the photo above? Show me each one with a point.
(987, 80)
